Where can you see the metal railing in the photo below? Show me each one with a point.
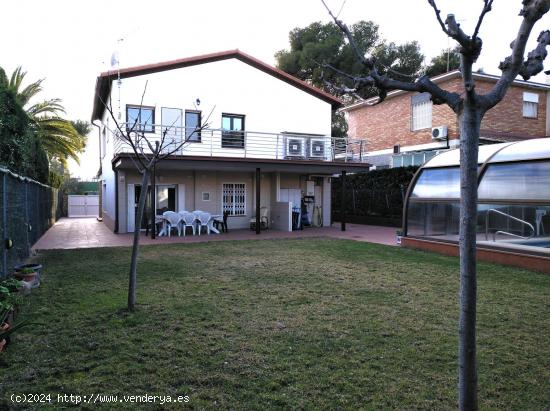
(248, 144)
(511, 217)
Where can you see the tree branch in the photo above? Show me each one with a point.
(188, 138)
(438, 17)
(514, 64)
(369, 63)
(534, 63)
(486, 9)
(125, 136)
(470, 46)
(384, 83)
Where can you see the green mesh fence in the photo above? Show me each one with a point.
(27, 210)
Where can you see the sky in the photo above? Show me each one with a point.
(70, 42)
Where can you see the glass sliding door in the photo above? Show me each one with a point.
(166, 198)
(172, 127)
(232, 130)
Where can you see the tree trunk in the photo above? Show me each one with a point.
(135, 247)
(470, 122)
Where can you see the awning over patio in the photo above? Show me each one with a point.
(123, 161)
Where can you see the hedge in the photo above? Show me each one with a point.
(378, 194)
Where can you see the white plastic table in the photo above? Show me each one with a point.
(213, 218)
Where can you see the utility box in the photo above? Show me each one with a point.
(310, 188)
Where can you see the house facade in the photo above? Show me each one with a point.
(264, 135)
(408, 129)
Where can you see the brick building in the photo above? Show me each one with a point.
(407, 129)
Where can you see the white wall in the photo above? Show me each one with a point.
(229, 86)
(108, 175)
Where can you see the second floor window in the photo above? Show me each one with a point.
(232, 130)
(143, 118)
(192, 124)
(421, 111)
(530, 105)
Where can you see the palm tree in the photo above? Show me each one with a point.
(58, 136)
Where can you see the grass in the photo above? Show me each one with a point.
(288, 324)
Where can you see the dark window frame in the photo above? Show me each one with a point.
(231, 133)
(138, 125)
(196, 136)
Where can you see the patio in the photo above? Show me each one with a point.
(70, 233)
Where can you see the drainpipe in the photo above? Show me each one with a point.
(99, 183)
(116, 199)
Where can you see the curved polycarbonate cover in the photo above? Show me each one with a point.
(534, 149)
(438, 183)
(451, 158)
(520, 180)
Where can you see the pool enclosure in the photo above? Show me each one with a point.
(513, 197)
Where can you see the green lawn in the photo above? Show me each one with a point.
(287, 324)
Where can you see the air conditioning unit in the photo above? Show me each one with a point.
(439, 133)
(295, 147)
(317, 148)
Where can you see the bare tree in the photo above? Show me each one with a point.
(470, 108)
(146, 155)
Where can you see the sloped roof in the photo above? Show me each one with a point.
(105, 79)
(446, 77)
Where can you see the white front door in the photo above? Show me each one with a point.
(131, 207)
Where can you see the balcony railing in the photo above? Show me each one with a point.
(249, 144)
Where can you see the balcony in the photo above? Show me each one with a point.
(249, 144)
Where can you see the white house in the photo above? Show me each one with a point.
(268, 137)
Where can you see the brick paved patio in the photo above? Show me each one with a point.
(88, 233)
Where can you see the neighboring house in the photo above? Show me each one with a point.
(264, 123)
(408, 129)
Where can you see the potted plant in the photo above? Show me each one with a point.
(29, 273)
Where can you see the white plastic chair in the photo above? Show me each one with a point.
(187, 220)
(172, 221)
(264, 219)
(204, 219)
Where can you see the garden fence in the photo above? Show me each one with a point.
(27, 210)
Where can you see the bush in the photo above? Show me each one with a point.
(55, 179)
(20, 147)
(14, 132)
(376, 193)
